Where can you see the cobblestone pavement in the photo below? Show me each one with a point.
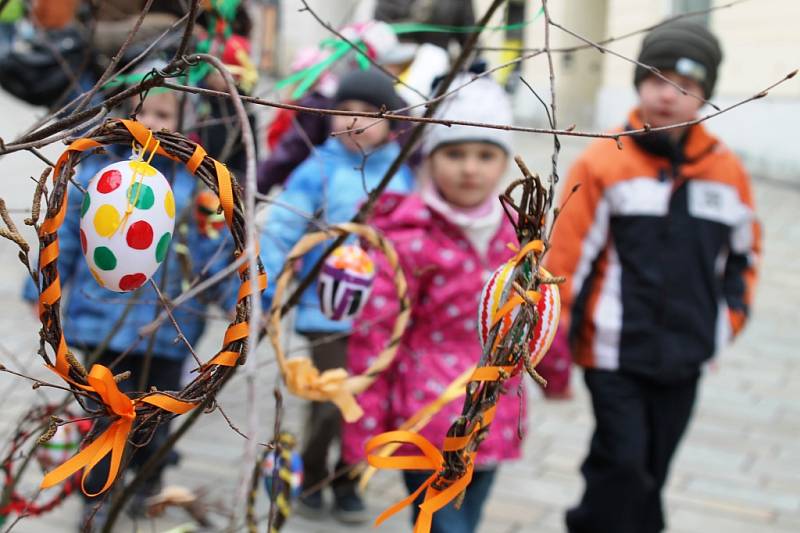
(738, 470)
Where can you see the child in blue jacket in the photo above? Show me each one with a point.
(328, 188)
(104, 325)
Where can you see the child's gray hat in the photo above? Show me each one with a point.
(685, 47)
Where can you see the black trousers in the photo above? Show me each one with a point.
(639, 424)
(164, 374)
(324, 423)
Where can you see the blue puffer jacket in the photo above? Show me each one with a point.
(90, 311)
(329, 186)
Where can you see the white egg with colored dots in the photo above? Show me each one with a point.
(127, 222)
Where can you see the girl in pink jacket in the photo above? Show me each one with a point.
(449, 237)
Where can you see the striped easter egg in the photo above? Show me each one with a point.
(127, 222)
(345, 282)
(548, 307)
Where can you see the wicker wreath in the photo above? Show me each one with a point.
(302, 378)
(149, 409)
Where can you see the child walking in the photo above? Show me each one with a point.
(449, 238)
(659, 247)
(327, 188)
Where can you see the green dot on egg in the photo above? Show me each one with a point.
(85, 205)
(104, 258)
(144, 199)
(163, 246)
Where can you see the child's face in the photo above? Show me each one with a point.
(159, 111)
(663, 104)
(468, 173)
(370, 138)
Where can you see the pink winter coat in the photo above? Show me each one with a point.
(445, 276)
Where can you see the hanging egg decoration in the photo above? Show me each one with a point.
(207, 216)
(548, 308)
(345, 282)
(127, 222)
(289, 469)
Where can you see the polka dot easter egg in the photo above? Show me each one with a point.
(548, 308)
(345, 282)
(127, 221)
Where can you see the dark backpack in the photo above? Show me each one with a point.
(39, 66)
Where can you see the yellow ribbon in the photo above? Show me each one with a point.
(114, 438)
(305, 380)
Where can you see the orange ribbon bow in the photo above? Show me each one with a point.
(430, 459)
(113, 440)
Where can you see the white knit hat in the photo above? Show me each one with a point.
(483, 100)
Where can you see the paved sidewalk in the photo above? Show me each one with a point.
(738, 471)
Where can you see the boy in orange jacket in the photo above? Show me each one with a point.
(659, 246)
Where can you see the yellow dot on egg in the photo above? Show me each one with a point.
(106, 220)
(169, 204)
(142, 168)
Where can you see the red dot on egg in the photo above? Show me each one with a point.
(83, 242)
(132, 281)
(109, 181)
(140, 235)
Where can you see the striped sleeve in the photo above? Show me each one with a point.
(580, 234)
(742, 265)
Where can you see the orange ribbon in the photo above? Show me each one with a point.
(430, 459)
(114, 438)
(533, 246)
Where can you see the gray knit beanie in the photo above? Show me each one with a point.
(371, 86)
(481, 101)
(684, 47)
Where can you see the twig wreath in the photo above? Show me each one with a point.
(302, 378)
(146, 410)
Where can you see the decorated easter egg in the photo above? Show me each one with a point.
(345, 282)
(127, 221)
(548, 308)
(207, 216)
(289, 470)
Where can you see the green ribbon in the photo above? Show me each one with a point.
(306, 77)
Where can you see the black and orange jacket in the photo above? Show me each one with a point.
(660, 249)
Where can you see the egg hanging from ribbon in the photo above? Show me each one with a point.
(548, 308)
(345, 282)
(127, 222)
(207, 216)
(289, 469)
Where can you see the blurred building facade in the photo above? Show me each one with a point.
(596, 90)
